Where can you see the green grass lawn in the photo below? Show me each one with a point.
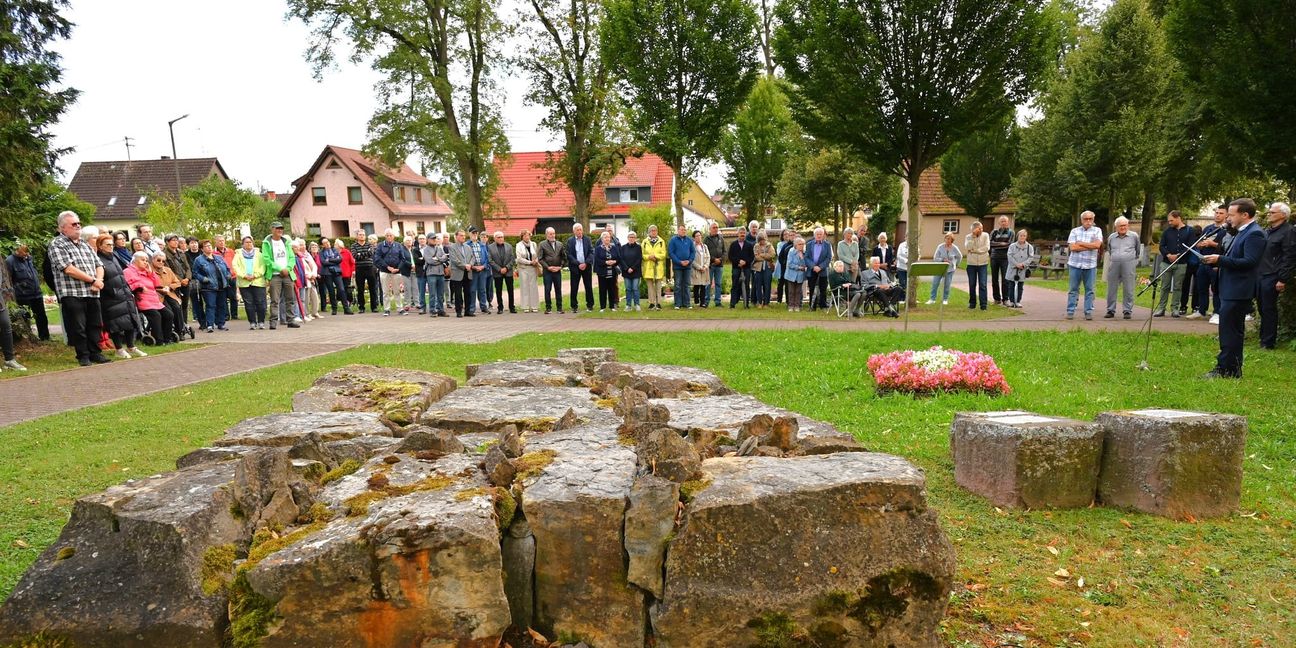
(1148, 581)
(42, 357)
(956, 310)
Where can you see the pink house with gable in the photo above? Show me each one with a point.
(344, 192)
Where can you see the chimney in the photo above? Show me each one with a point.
(270, 196)
(166, 157)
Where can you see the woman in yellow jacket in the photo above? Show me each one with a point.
(249, 270)
(654, 265)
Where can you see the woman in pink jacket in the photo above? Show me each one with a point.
(144, 284)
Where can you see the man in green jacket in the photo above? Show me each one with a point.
(281, 262)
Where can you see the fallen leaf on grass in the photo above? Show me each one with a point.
(1062, 573)
(20, 543)
(1127, 523)
(1055, 582)
(1080, 582)
(1053, 550)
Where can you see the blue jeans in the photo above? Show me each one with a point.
(936, 282)
(423, 282)
(214, 306)
(716, 285)
(481, 286)
(436, 293)
(1204, 287)
(682, 286)
(977, 285)
(632, 291)
(761, 286)
(1074, 277)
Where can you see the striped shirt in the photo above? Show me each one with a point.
(64, 252)
(1084, 259)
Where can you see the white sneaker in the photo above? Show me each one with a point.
(297, 320)
(1214, 319)
(638, 308)
(945, 302)
(13, 364)
(123, 353)
(931, 301)
(135, 351)
(1194, 315)
(627, 309)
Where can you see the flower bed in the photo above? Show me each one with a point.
(937, 369)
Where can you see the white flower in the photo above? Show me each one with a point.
(934, 359)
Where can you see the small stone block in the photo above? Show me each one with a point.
(590, 357)
(1024, 460)
(1172, 463)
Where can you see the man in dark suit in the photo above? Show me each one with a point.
(1276, 269)
(1239, 272)
(741, 256)
(580, 261)
(818, 262)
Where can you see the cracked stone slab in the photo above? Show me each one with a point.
(843, 546)
(662, 381)
(399, 394)
(728, 413)
(576, 508)
(277, 430)
(533, 410)
(539, 372)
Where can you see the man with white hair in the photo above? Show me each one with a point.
(818, 260)
(388, 257)
(580, 261)
(503, 260)
(552, 259)
(1082, 264)
(1276, 269)
(78, 279)
(1000, 238)
(1123, 251)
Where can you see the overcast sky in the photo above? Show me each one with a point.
(237, 69)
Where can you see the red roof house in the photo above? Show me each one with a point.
(525, 201)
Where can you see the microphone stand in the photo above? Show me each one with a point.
(1146, 329)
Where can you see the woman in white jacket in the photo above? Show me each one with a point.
(528, 268)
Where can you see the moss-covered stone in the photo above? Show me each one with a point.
(65, 553)
(690, 489)
(775, 630)
(359, 504)
(217, 568)
(345, 468)
(250, 614)
(530, 464)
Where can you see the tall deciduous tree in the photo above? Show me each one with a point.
(1240, 54)
(899, 81)
(569, 77)
(825, 184)
(438, 97)
(30, 103)
(756, 147)
(977, 172)
(686, 66)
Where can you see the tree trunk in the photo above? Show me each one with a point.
(679, 196)
(1075, 213)
(1149, 215)
(581, 205)
(913, 233)
(472, 194)
(837, 222)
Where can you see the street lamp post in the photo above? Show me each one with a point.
(175, 164)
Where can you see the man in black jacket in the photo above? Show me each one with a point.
(1000, 239)
(552, 259)
(580, 261)
(1276, 269)
(1174, 242)
(362, 251)
(741, 256)
(26, 287)
(715, 274)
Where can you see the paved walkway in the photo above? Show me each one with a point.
(242, 350)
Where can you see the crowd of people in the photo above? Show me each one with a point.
(114, 291)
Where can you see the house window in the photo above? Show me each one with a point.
(951, 226)
(690, 203)
(112, 201)
(418, 195)
(318, 196)
(333, 164)
(400, 194)
(422, 228)
(141, 200)
(313, 230)
(353, 196)
(368, 228)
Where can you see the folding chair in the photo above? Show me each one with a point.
(839, 299)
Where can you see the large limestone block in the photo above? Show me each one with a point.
(127, 568)
(1172, 463)
(420, 566)
(538, 372)
(576, 505)
(538, 409)
(284, 430)
(401, 395)
(835, 550)
(662, 381)
(1025, 460)
(727, 414)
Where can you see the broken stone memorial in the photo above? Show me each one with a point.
(1172, 463)
(570, 501)
(1024, 460)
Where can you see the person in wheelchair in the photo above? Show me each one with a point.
(875, 283)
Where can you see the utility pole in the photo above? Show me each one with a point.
(175, 164)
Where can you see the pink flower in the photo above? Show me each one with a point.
(939, 370)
